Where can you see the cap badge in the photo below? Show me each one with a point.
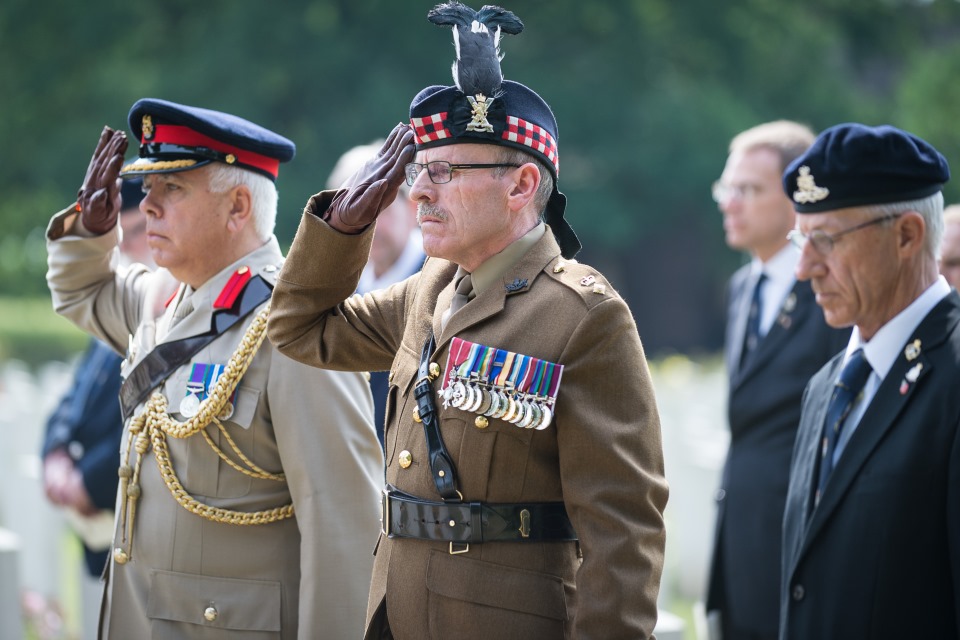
(480, 104)
(807, 190)
(146, 126)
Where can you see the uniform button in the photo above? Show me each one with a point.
(416, 414)
(405, 459)
(434, 370)
(120, 556)
(210, 613)
(720, 495)
(797, 592)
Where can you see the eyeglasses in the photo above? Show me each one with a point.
(823, 242)
(721, 191)
(441, 171)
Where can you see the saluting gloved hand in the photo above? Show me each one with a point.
(374, 186)
(98, 199)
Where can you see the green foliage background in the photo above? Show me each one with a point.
(647, 94)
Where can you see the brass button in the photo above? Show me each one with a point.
(405, 459)
(120, 556)
(242, 270)
(390, 378)
(210, 613)
(481, 422)
(416, 414)
(434, 370)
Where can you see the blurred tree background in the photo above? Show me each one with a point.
(648, 94)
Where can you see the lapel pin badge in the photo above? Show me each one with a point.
(912, 350)
(910, 377)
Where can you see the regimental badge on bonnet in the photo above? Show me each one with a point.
(807, 189)
(484, 108)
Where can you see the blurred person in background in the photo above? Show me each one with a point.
(776, 338)
(950, 246)
(396, 252)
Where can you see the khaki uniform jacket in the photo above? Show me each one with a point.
(302, 577)
(601, 456)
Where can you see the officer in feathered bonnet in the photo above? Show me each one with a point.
(524, 483)
(871, 521)
(228, 446)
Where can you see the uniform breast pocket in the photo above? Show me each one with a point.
(211, 465)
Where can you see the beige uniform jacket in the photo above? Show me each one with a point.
(602, 455)
(302, 577)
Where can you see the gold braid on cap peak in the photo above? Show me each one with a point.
(160, 165)
(154, 424)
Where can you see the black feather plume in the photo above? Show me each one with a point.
(476, 36)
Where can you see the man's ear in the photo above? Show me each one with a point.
(241, 208)
(523, 189)
(911, 231)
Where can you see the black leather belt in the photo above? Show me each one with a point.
(406, 516)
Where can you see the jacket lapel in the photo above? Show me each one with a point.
(793, 313)
(738, 311)
(890, 401)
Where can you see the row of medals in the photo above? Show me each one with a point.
(526, 411)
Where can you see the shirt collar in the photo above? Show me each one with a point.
(780, 267)
(494, 268)
(884, 348)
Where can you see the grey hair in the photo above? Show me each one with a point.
(507, 155)
(929, 208)
(263, 194)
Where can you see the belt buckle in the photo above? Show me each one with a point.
(385, 511)
(455, 550)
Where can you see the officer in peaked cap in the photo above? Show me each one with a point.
(228, 446)
(524, 475)
(870, 527)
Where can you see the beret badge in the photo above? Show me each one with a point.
(147, 127)
(807, 189)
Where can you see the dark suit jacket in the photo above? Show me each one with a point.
(88, 425)
(763, 413)
(880, 556)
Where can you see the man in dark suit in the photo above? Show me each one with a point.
(872, 522)
(775, 342)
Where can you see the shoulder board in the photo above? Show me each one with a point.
(584, 279)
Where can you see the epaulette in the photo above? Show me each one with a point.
(590, 284)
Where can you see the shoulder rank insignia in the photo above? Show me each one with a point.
(516, 285)
(500, 384)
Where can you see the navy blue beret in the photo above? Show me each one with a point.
(175, 137)
(853, 165)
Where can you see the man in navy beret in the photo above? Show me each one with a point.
(872, 523)
(525, 487)
(248, 482)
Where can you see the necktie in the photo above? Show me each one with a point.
(852, 379)
(751, 336)
(462, 295)
(183, 309)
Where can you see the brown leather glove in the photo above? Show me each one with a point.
(374, 186)
(98, 199)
